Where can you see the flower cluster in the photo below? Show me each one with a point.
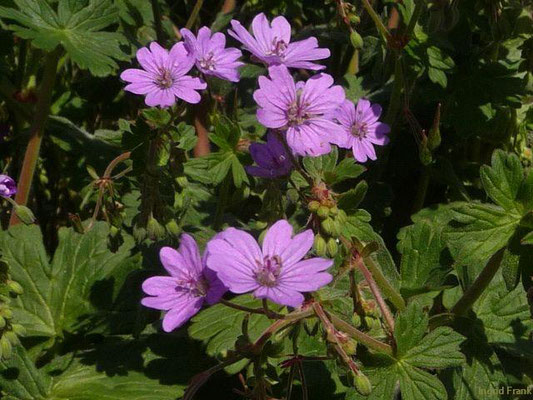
(304, 118)
(310, 115)
(233, 261)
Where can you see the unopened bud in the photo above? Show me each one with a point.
(154, 229)
(354, 19)
(139, 233)
(333, 211)
(328, 226)
(356, 320)
(320, 246)
(313, 205)
(14, 287)
(356, 40)
(362, 384)
(2, 322)
(173, 228)
(12, 337)
(332, 247)
(24, 214)
(350, 347)
(6, 347)
(323, 212)
(6, 313)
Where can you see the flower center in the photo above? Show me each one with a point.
(208, 62)
(359, 130)
(297, 114)
(268, 271)
(164, 79)
(196, 287)
(278, 48)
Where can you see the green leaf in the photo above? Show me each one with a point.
(477, 231)
(503, 179)
(156, 116)
(353, 87)
(227, 133)
(505, 314)
(20, 379)
(347, 169)
(425, 263)
(350, 200)
(59, 294)
(410, 328)
(416, 384)
(219, 326)
(439, 349)
(78, 29)
(323, 166)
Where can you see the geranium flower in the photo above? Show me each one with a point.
(275, 272)
(211, 56)
(302, 109)
(271, 43)
(271, 158)
(188, 287)
(8, 187)
(362, 128)
(163, 77)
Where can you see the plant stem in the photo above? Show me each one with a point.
(332, 332)
(395, 97)
(419, 4)
(387, 315)
(388, 290)
(480, 284)
(361, 337)
(194, 14)
(37, 130)
(377, 20)
(353, 67)
(242, 308)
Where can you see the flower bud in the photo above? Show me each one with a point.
(173, 228)
(356, 320)
(323, 212)
(139, 233)
(328, 226)
(12, 337)
(313, 205)
(342, 217)
(6, 313)
(356, 40)
(333, 211)
(14, 287)
(354, 18)
(320, 246)
(24, 214)
(350, 347)
(6, 347)
(362, 384)
(154, 229)
(332, 247)
(2, 322)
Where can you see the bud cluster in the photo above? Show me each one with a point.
(329, 220)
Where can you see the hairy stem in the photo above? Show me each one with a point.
(388, 290)
(36, 131)
(230, 304)
(361, 337)
(194, 14)
(387, 315)
(480, 284)
(332, 332)
(377, 20)
(423, 184)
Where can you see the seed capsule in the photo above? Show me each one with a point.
(313, 205)
(362, 384)
(332, 247)
(323, 212)
(320, 246)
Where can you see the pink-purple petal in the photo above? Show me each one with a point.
(179, 315)
(277, 238)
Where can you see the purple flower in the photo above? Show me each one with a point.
(271, 158)
(361, 128)
(189, 285)
(300, 108)
(271, 44)
(275, 272)
(211, 56)
(163, 78)
(8, 187)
